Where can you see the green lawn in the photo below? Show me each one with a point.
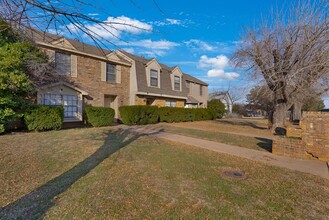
(107, 173)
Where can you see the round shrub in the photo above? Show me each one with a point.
(99, 116)
(217, 107)
(44, 118)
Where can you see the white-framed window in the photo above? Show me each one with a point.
(154, 78)
(69, 103)
(110, 73)
(177, 83)
(201, 90)
(63, 63)
(170, 103)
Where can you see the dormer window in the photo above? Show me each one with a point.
(110, 73)
(154, 78)
(177, 83)
(63, 63)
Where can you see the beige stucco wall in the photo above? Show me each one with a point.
(194, 91)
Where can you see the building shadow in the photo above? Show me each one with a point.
(265, 143)
(243, 123)
(35, 204)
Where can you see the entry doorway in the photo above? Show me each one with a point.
(111, 101)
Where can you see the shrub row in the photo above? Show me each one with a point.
(141, 115)
(43, 118)
(99, 116)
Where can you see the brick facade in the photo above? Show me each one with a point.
(89, 79)
(314, 141)
(160, 102)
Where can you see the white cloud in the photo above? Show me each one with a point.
(199, 45)
(219, 62)
(93, 14)
(174, 21)
(222, 75)
(151, 48)
(113, 27)
(216, 67)
(171, 21)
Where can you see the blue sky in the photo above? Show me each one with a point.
(198, 36)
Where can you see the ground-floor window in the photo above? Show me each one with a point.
(171, 103)
(69, 102)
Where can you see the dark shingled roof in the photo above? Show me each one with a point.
(193, 79)
(165, 81)
(192, 100)
(44, 37)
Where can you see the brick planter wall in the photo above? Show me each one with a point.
(314, 142)
(290, 147)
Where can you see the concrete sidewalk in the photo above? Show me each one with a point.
(314, 167)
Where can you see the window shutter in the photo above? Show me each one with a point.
(103, 71)
(118, 73)
(172, 77)
(74, 68)
(51, 56)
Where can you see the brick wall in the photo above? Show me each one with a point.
(161, 102)
(289, 147)
(89, 79)
(315, 126)
(314, 141)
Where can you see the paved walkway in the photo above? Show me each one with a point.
(314, 167)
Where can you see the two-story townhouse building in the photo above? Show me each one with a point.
(92, 76)
(99, 77)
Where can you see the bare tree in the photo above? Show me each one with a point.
(290, 52)
(53, 16)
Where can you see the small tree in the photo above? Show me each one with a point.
(217, 107)
(19, 61)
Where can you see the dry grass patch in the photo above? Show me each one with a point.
(147, 178)
(243, 126)
(255, 143)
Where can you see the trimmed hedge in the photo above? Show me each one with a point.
(201, 114)
(44, 118)
(99, 116)
(170, 114)
(139, 114)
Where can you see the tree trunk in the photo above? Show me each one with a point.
(279, 116)
(296, 111)
(279, 112)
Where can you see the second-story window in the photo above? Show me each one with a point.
(154, 78)
(110, 73)
(201, 90)
(177, 83)
(63, 63)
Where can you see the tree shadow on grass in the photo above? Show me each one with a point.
(265, 143)
(243, 123)
(35, 204)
